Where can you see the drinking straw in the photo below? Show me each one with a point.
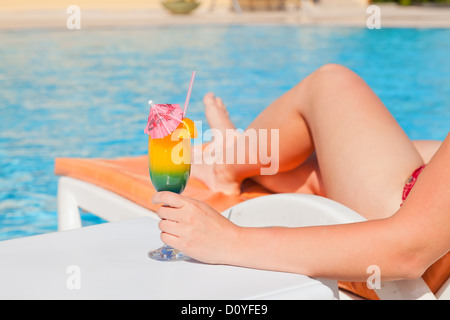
(189, 94)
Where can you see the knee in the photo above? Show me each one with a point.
(334, 70)
(334, 75)
(333, 67)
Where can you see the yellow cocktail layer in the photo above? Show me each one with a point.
(166, 156)
(171, 154)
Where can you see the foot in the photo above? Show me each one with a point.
(216, 113)
(217, 177)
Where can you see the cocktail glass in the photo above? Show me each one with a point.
(169, 160)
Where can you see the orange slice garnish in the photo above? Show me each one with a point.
(191, 127)
(185, 130)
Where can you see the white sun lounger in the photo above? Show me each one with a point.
(280, 210)
(109, 261)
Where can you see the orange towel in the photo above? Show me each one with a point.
(129, 177)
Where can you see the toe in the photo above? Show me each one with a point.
(209, 98)
(220, 103)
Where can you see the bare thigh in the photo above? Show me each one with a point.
(306, 178)
(363, 154)
(427, 148)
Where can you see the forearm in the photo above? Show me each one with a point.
(341, 252)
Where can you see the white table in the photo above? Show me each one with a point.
(109, 261)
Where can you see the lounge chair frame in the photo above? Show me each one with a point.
(74, 194)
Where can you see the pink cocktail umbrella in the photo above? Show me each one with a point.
(163, 120)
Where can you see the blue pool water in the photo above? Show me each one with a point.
(84, 93)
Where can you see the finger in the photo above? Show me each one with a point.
(170, 199)
(169, 213)
(170, 227)
(170, 240)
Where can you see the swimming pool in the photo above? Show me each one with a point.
(84, 93)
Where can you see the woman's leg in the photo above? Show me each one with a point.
(282, 115)
(363, 154)
(303, 179)
(427, 148)
(306, 177)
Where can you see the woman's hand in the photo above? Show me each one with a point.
(195, 229)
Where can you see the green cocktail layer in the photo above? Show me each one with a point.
(169, 181)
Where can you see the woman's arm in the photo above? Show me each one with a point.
(402, 246)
